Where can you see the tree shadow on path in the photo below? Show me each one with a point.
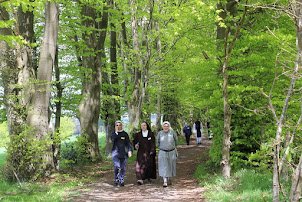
(184, 187)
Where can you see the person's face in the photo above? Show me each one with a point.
(119, 126)
(166, 127)
(144, 126)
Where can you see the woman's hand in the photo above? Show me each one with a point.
(129, 154)
(136, 146)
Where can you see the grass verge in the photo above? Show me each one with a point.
(244, 185)
(2, 157)
(58, 186)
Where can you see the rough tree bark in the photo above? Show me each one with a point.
(89, 108)
(141, 63)
(8, 74)
(134, 104)
(110, 86)
(17, 77)
(38, 116)
(58, 113)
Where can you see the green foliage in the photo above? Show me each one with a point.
(24, 155)
(67, 127)
(2, 105)
(56, 190)
(2, 157)
(4, 135)
(262, 158)
(75, 153)
(244, 185)
(252, 67)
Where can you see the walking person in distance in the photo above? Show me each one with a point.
(187, 131)
(199, 130)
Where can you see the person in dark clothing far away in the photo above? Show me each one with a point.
(121, 150)
(199, 130)
(187, 131)
(144, 142)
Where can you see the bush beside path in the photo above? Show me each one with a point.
(184, 187)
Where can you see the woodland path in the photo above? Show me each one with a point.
(184, 187)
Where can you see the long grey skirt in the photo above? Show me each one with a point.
(167, 163)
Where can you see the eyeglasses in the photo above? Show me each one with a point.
(118, 125)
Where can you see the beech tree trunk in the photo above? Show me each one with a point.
(90, 105)
(134, 104)
(8, 74)
(230, 6)
(18, 71)
(111, 108)
(38, 116)
(221, 35)
(159, 96)
(226, 164)
(140, 65)
(58, 113)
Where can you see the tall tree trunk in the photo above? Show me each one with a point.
(145, 98)
(38, 116)
(295, 194)
(134, 104)
(114, 75)
(90, 105)
(226, 165)
(221, 35)
(226, 144)
(25, 57)
(57, 139)
(9, 74)
(158, 48)
(141, 62)
(18, 77)
(107, 110)
(124, 45)
(111, 90)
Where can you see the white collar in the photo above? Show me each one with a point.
(145, 133)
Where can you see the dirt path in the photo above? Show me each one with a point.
(184, 187)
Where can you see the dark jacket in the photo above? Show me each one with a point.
(187, 130)
(121, 144)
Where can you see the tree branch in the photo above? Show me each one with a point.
(285, 153)
(251, 110)
(172, 45)
(270, 104)
(2, 1)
